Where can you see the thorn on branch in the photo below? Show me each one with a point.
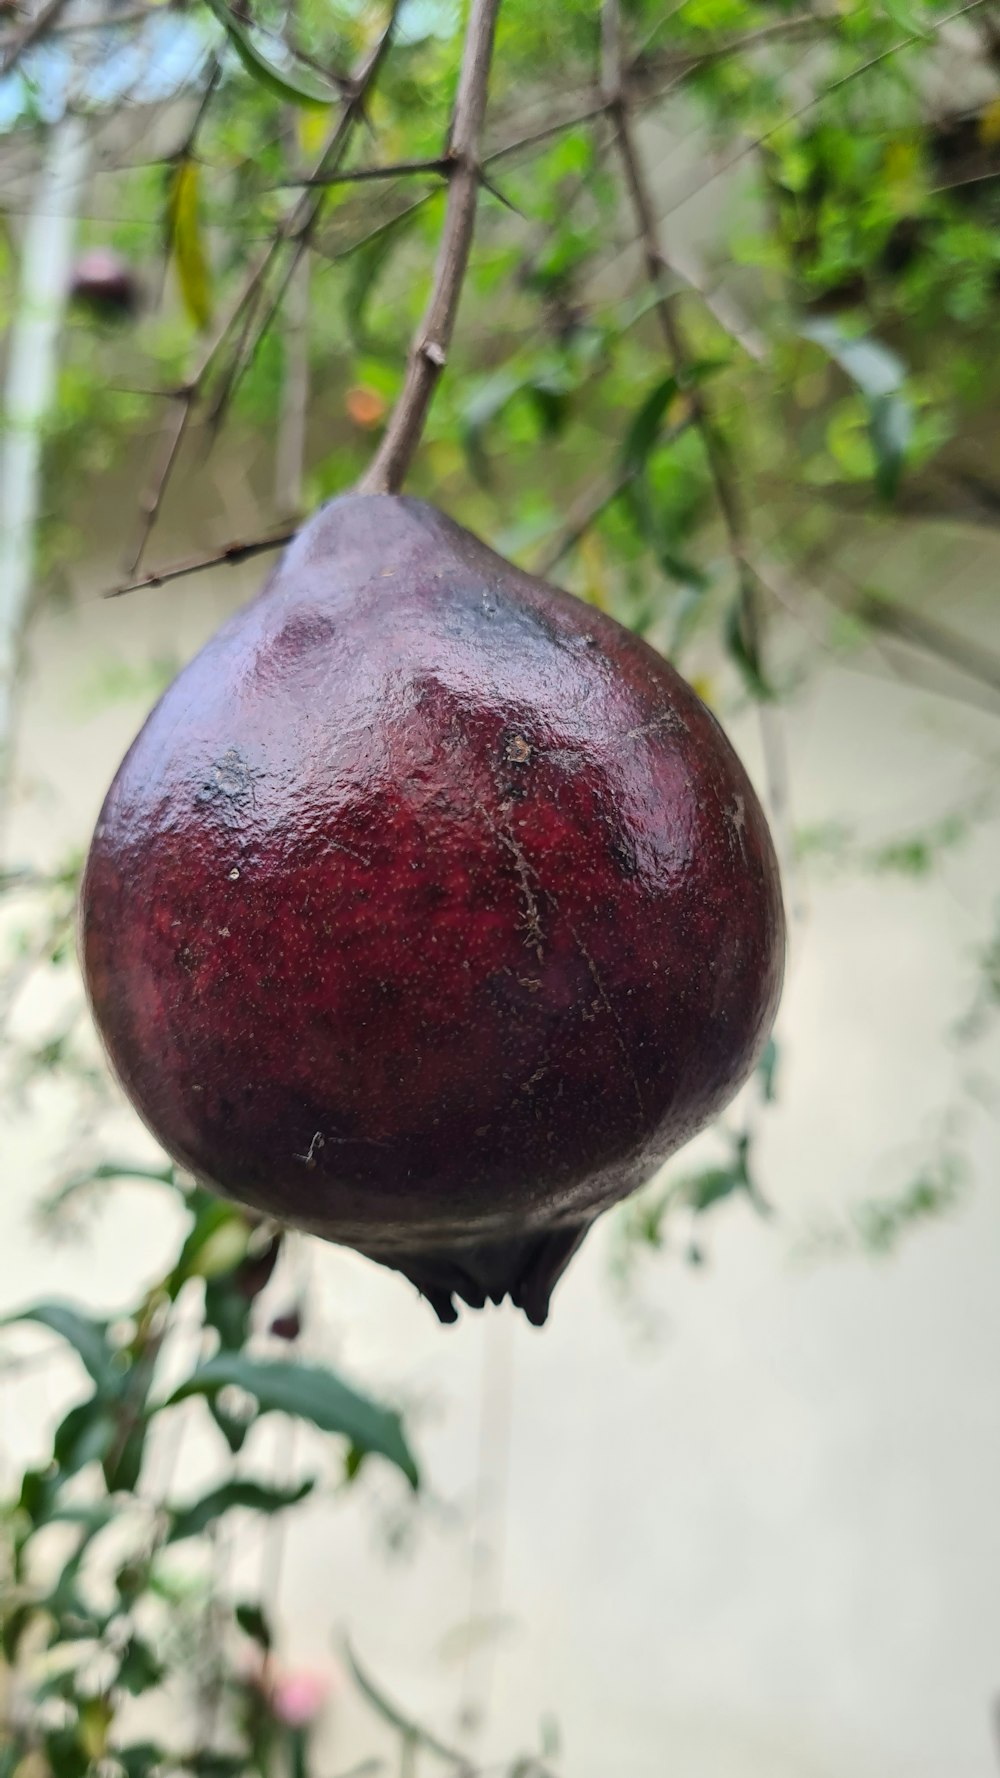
(229, 556)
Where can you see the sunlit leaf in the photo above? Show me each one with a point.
(298, 86)
(880, 376)
(188, 244)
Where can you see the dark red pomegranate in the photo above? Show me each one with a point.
(104, 283)
(430, 910)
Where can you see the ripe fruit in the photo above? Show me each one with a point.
(105, 283)
(430, 911)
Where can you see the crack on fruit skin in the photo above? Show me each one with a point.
(348, 851)
(602, 996)
(667, 720)
(532, 922)
(737, 819)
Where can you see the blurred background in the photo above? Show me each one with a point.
(732, 1513)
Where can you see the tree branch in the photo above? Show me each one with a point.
(659, 274)
(229, 555)
(429, 351)
(33, 32)
(296, 229)
(721, 469)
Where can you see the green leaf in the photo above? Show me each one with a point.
(298, 87)
(880, 376)
(767, 1068)
(191, 1521)
(709, 1187)
(187, 243)
(645, 427)
(744, 654)
(254, 1624)
(217, 1765)
(140, 1759)
(84, 1436)
(368, 262)
(308, 1392)
(86, 1335)
(140, 1670)
(891, 427)
(217, 1241)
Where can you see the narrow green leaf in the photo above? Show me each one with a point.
(369, 261)
(187, 242)
(767, 1068)
(254, 1624)
(709, 1187)
(647, 423)
(311, 1393)
(890, 423)
(880, 376)
(86, 1335)
(297, 87)
(744, 656)
(645, 426)
(191, 1521)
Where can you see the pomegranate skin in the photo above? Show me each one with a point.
(103, 282)
(431, 910)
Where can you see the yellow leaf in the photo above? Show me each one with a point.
(313, 128)
(187, 243)
(595, 584)
(989, 124)
(95, 1720)
(704, 687)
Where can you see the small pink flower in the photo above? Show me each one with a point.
(298, 1698)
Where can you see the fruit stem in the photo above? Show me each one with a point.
(429, 351)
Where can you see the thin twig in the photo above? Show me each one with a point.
(686, 59)
(33, 32)
(229, 555)
(721, 469)
(355, 175)
(932, 29)
(429, 351)
(297, 232)
(295, 229)
(661, 283)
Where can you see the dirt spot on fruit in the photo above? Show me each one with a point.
(230, 786)
(517, 751)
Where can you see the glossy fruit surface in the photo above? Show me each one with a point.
(430, 910)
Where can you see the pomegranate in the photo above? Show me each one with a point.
(430, 910)
(104, 282)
